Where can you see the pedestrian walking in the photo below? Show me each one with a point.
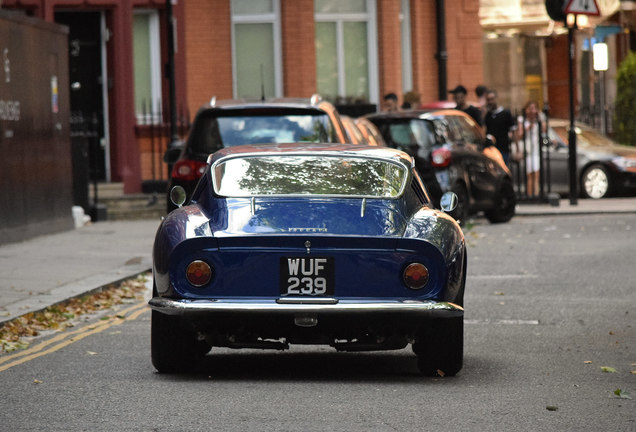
(500, 124)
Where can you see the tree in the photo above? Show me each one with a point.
(624, 125)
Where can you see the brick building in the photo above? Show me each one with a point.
(350, 51)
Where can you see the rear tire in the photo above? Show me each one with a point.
(439, 346)
(504, 207)
(174, 348)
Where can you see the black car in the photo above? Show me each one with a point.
(238, 122)
(448, 149)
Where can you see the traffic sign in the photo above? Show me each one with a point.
(583, 7)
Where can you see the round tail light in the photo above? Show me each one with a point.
(198, 273)
(415, 276)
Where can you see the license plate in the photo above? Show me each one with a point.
(306, 276)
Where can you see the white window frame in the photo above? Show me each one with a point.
(405, 36)
(155, 116)
(370, 17)
(269, 18)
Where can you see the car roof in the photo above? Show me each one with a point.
(421, 114)
(318, 149)
(310, 103)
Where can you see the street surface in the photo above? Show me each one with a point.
(549, 306)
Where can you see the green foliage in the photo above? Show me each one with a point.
(624, 124)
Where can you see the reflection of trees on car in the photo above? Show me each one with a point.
(299, 175)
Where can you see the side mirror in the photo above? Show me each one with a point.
(448, 202)
(172, 155)
(178, 195)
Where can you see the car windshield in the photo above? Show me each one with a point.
(218, 130)
(309, 175)
(413, 133)
(584, 137)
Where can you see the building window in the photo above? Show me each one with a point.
(256, 45)
(346, 52)
(147, 66)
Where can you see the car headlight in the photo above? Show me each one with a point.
(199, 273)
(415, 276)
(625, 163)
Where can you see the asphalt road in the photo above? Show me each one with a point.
(550, 303)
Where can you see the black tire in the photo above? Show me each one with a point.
(595, 182)
(439, 346)
(505, 203)
(461, 212)
(174, 348)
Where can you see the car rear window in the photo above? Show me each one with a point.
(308, 175)
(217, 130)
(415, 132)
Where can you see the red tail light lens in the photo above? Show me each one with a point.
(441, 157)
(199, 273)
(188, 170)
(415, 276)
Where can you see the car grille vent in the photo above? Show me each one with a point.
(418, 191)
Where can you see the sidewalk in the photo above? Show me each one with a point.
(49, 269)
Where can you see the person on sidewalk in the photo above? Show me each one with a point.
(390, 102)
(500, 124)
(459, 96)
(530, 129)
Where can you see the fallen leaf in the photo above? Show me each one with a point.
(37, 381)
(588, 362)
(621, 394)
(440, 372)
(91, 353)
(608, 369)
(551, 408)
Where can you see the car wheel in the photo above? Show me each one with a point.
(595, 182)
(173, 347)
(439, 346)
(504, 206)
(461, 211)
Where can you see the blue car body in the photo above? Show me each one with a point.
(309, 268)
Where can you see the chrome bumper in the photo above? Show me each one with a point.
(290, 305)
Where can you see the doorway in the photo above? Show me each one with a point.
(87, 77)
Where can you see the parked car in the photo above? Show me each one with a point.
(604, 168)
(448, 149)
(238, 122)
(309, 244)
(354, 134)
(370, 132)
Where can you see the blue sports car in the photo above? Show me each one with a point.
(331, 244)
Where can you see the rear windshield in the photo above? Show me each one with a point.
(415, 132)
(215, 130)
(309, 175)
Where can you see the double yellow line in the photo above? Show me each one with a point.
(66, 338)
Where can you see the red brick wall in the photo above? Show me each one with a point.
(299, 52)
(424, 46)
(389, 47)
(463, 45)
(209, 51)
(558, 77)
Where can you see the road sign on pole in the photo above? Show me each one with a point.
(583, 7)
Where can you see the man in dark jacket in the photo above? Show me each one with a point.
(499, 123)
(459, 95)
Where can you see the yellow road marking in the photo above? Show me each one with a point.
(68, 338)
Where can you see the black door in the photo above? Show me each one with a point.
(85, 77)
